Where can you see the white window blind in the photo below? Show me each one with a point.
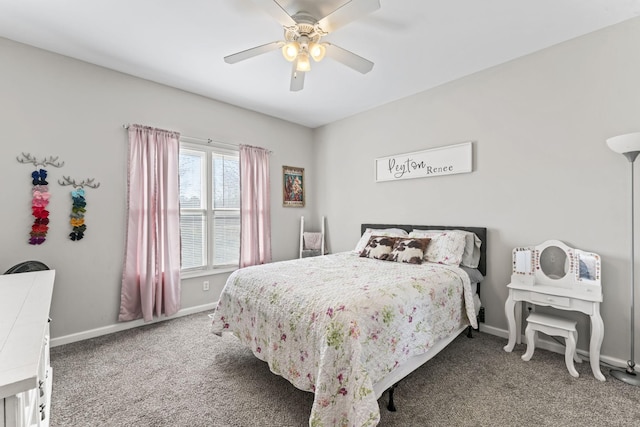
(209, 207)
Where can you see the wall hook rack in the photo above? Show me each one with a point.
(28, 158)
(89, 182)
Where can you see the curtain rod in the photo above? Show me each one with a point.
(207, 140)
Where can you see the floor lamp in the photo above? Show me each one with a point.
(629, 146)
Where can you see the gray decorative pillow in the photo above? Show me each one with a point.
(409, 250)
(378, 247)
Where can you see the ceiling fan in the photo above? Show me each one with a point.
(303, 35)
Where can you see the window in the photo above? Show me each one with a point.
(209, 207)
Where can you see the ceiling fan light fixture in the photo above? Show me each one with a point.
(317, 51)
(290, 51)
(303, 34)
(303, 62)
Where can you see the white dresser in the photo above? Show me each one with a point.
(25, 372)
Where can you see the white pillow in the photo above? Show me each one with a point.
(446, 247)
(471, 255)
(388, 232)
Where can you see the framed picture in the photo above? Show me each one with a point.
(292, 187)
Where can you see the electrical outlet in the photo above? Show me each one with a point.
(205, 285)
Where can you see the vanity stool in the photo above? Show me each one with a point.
(556, 326)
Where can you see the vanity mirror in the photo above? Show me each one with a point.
(553, 263)
(588, 267)
(523, 265)
(523, 261)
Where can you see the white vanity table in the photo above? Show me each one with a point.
(555, 275)
(25, 371)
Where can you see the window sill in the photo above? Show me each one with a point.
(201, 273)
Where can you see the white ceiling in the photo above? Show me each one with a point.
(415, 44)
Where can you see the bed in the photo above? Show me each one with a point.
(348, 327)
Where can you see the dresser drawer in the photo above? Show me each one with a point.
(546, 299)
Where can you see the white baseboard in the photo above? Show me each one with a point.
(556, 347)
(105, 330)
(493, 331)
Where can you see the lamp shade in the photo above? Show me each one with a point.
(303, 62)
(290, 51)
(317, 51)
(627, 143)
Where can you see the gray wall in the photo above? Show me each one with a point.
(54, 105)
(542, 169)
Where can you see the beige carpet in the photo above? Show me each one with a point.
(176, 373)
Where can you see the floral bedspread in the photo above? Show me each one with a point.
(335, 325)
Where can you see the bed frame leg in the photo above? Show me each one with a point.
(391, 407)
(469, 332)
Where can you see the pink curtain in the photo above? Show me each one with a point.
(151, 276)
(255, 209)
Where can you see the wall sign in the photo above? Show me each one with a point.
(447, 160)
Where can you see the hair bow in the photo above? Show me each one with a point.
(77, 193)
(37, 194)
(39, 177)
(40, 212)
(36, 240)
(40, 203)
(39, 229)
(77, 222)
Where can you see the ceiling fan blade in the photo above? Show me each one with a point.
(349, 59)
(250, 53)
(348, 12)
(297, 78)
(274, 9)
